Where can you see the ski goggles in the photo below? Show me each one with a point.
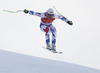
(50, 14)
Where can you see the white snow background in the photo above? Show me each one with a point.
(79, 43)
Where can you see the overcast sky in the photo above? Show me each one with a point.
(79, 43)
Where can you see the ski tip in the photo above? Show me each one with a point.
(60, 52)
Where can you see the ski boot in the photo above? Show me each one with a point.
(48, 46)
(53, 47)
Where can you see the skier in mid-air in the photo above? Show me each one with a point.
(46, 25)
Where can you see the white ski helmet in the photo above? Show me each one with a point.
(50, 12)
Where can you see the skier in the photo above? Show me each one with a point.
(46, 25)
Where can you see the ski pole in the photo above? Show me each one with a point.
(58, 12)
(13, 11)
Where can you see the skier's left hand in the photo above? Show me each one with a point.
(70, 22)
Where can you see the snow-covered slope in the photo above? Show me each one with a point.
(19, 63)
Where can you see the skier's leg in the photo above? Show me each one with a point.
(53, 31)
(47, 34)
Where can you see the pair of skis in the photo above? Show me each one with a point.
(53, 51)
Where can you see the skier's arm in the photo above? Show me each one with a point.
(34, 13)
(65, 19)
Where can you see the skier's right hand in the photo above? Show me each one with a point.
(26, 11)
(70, 22)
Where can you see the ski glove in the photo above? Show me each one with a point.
(70, 22)
(26, 11)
